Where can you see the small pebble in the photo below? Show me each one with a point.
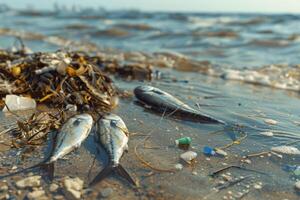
(194, 173)
(257, 186)
(226, 177)
(247, 161)
(3, 188)
(31, 181)
(224, 164)
(38, 194)
(59, 197)
(106, 192)
(221, 182)
(53, 187)
(179, 166)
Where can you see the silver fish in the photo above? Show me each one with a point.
(164, 102)
(113, 135)
(71, 135)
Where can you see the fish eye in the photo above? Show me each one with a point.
(113, 123)
(77, 122)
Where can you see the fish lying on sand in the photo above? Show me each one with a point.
(113, 135)
(70, 137)
(164, 102)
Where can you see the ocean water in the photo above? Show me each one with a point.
(241, 68)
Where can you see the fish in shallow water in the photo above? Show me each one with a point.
(113, 135)
(70, 137)
(164, 102)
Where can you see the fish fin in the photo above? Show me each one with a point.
(122, 172)
(110, 169)
(102, 174)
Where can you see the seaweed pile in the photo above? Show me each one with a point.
(56, 79)
(62, 80)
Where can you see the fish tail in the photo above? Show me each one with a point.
(122, 172)
(109, 170)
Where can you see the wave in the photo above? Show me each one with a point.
(277, 76)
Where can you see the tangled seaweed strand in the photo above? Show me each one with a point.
(57, 79)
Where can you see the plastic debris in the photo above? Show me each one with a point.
(184, 141)
(15, 103)
(188, 156)
(220, 152)
(209, 151)
(286, 150)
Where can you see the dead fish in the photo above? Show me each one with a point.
(70, 137)
(113, 135)
(164, 102)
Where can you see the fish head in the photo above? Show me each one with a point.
(116, 122)
(86, 117)
(143, 89)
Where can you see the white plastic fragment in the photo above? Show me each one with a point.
(188, 156)
(221, 152)
(286, 150)
(15, 103)
(178, 166)
(270, 121)
(267, 133)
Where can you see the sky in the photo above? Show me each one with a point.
(261, 6)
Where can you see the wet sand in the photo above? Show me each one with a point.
(236, 106)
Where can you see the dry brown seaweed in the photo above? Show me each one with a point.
(56, 79)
